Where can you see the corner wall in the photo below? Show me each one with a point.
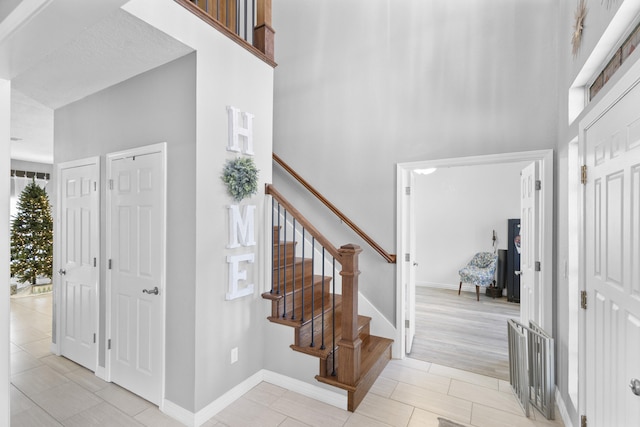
(156, 106)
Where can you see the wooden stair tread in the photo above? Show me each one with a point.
(363, 321)
(317, 313)
(375, 353)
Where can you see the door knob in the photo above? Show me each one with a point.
(518, 273)
(635, 386)
(153, 291)
(62, 271)
(415, 264)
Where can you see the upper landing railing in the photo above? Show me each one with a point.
(247, 22)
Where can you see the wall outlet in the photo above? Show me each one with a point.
(234, 355)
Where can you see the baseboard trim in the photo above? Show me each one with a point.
(191, 419)
(562, 408)
(101, 373)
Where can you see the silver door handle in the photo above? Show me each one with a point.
(518, 273)
(62, 271)
(635, 386)
(415, 264)
(154, 291)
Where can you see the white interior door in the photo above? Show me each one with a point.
(529, 243)
(79, 221)
(136, 251)
(611, 145)
(410, 264)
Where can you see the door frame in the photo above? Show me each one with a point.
(110, 157)
(56, 347)
(629, 80)
(545, 157)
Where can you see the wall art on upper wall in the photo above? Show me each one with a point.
(578, 26)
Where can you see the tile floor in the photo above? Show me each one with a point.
(48, 390)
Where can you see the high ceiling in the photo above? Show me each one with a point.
(66, 51)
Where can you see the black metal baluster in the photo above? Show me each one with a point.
(246, 15)
(273, 240)
(333, 350)
(313, 283)
(218, 10)
(284, 281)
(322, 347)
(302, 279)
(227, 13)
(253, 18)
(279, 249)
(293, 275)
(238, 17)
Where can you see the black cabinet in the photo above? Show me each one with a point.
(513, 261)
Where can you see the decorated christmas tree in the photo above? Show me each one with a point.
(32, 236)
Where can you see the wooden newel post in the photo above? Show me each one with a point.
(263, 33)
(349, 351)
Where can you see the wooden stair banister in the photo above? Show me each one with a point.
(326, 325)
(270, 189)
(390, 258)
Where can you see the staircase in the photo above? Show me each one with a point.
(325, 322)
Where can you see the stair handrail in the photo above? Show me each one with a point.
(390, 258)
(271, 190)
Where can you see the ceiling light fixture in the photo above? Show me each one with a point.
(426, 171)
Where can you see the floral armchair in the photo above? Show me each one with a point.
(480, 271)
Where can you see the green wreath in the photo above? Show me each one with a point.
(241, 177)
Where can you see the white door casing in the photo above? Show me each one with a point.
(610, 147)
(409, 263)
(544, 158)
(78, 267)
(136, 230)
(529, 284)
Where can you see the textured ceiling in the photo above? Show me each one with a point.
(108, 52)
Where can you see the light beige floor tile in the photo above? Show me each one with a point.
(416, 377)
(265, 393)
(492, 398)
(124, 400)
(60, 364)
(420, 365)
(26, 335)
(22, 361)
(383, 386)
(422, 418)
(469, 377)
(484, 416)
(65, 400)
(38, 349)
(505, 387)
(310, 411)
(439, 403)
(152, 417)
(36, 417)
(38, 380)
(101, 415)
(245, 412)
(214, 423)
(87, 379)
(19, 402)
(359, 420)
(385, 410)
(290, 422)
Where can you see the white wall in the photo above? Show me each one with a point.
(5, 155)
(360, 89)
(456, 210)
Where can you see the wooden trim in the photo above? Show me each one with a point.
(187, 4)
(390, 258)
(270, 189)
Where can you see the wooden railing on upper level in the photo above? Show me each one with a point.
(390, 258)
(247, 22)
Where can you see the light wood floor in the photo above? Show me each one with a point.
(463, 333)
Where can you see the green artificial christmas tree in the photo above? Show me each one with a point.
(32, 236)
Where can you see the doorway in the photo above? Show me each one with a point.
(544, 158)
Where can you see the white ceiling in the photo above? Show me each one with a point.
(57, 66)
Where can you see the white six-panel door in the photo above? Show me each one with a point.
(136, 274)
(78, 267)
(612, 263)
(530, 299)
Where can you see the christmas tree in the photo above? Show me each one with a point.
(32, 236)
